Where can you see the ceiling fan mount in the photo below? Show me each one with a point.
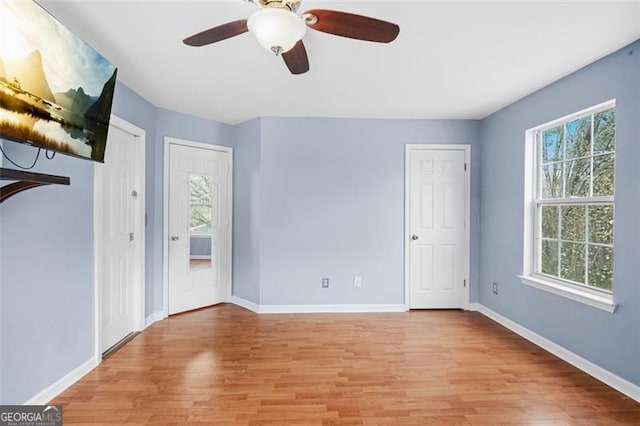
(291, 5)
(279, 28)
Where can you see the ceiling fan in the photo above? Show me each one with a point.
(279, 28)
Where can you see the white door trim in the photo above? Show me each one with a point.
(98, 220)
(168, 141)
(467, 211)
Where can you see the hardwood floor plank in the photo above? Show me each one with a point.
(225, 365)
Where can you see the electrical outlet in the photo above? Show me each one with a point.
(357, 281)
(325, 283)
(495, 288)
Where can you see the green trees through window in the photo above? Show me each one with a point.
(201, 204)
(574, 205)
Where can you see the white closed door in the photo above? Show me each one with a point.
(199, 226)
(122, 211)
(437, 200)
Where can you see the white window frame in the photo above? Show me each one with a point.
(580, 293)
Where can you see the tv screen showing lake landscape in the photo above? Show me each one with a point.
(56, 91)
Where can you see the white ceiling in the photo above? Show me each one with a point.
(454, 59)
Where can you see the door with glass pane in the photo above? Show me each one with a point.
(199, 226)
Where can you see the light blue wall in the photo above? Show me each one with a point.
(200, 246)
(2, 161)
(332, 205)
(246, 211)
(1, 274)
(47, 277)
(47, 266)
(611, 341)
(46, 253)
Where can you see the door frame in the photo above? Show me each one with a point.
(168, 141)
(98, 222)
(407, 211)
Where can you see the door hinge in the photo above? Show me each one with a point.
(465, 282)
(465, 167)
(130, 236)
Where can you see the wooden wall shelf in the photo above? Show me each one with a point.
(27, 180)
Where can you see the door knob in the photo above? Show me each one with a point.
(414, 237)
(175, 237)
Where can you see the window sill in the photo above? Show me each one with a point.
(599, 301)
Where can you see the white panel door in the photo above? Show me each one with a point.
(120, 209)
(437, 236)
(199, 227)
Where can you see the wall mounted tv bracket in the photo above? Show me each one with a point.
(26, 180)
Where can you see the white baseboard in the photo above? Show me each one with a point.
(315, 309)
(153, 318)
(622, 385)
(605, 376)
(50, 392)
(312, 309)
(243, 303)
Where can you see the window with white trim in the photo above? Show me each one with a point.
(573, 201)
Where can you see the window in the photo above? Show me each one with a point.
(201, 221)
(572, 203)
(201, 204)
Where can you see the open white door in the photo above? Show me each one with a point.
(199, 225)
(438, 237)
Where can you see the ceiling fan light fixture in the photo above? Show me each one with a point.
(277, 30)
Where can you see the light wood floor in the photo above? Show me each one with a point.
(225, 365)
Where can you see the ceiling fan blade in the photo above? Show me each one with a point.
(296, 59)
(219, 33)
(352, 26)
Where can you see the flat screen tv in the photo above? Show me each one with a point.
(56, 91)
